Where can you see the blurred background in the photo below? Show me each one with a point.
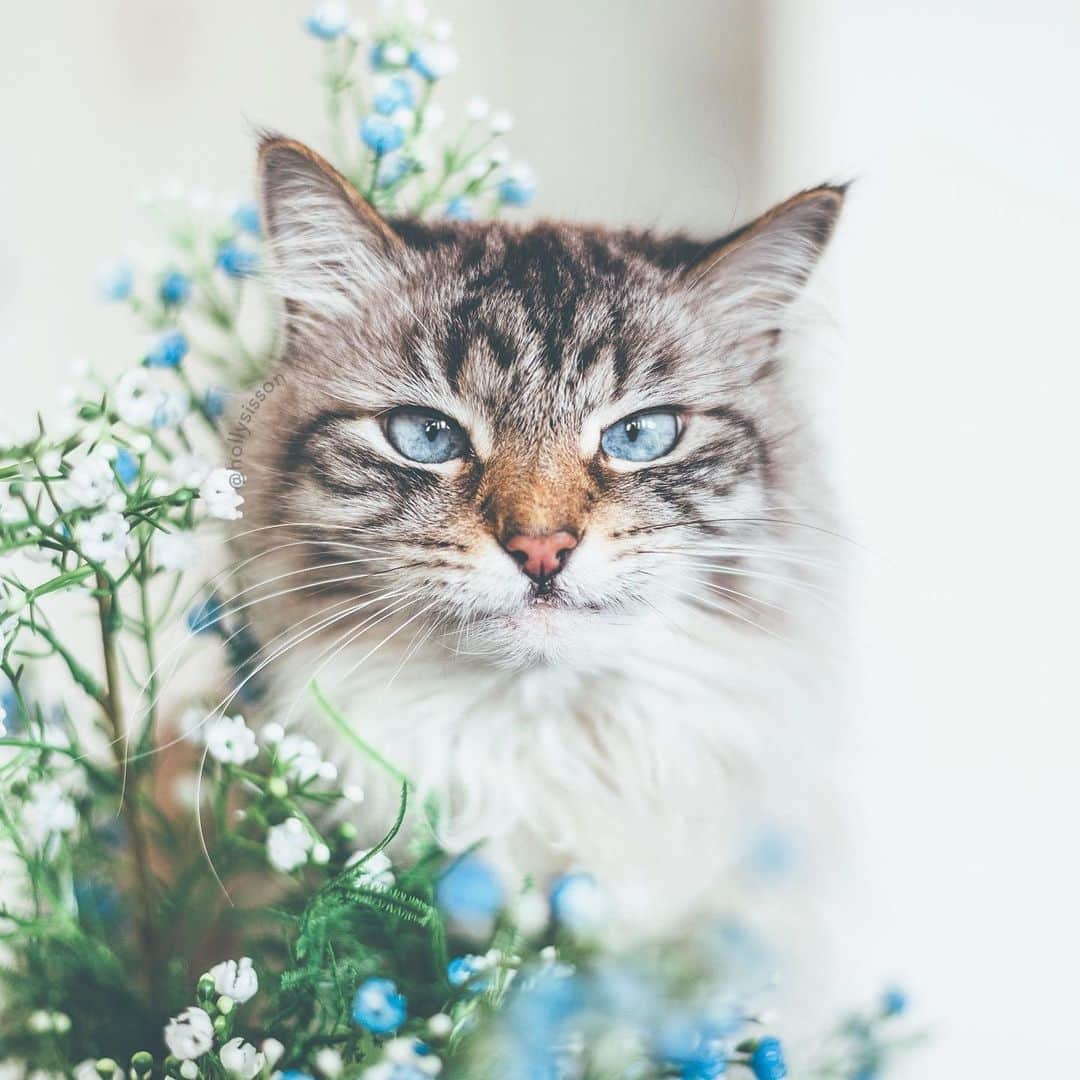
(948, 397)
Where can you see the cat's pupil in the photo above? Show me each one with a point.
(432, 429)
(633, 430)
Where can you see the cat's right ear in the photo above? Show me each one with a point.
(329, 249)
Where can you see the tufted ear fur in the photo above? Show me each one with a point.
(329, 249)
(763, 266)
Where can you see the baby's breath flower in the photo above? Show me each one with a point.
(501, 122)
(89, 484)
(381, 134)
(218, 493)
(187, 471)
(103, 538)
(288, 845)
(236, 978)
(329, 20)
(230, 741)
(435, 60)
(189, 1035)
(171, 411)
(272, 1050)
(328, 1062)
(175, 288)
(477, 109)
(301, 758)
(136, 398)
(517, 187)
(241, 1060)
(115, 280)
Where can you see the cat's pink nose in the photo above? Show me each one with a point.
(541, 557)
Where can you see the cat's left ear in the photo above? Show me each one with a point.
(759, 269)
(329, 249)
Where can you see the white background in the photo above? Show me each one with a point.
(950, 401)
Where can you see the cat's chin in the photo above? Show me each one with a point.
(539, 633)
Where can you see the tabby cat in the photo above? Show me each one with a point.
(540, 510)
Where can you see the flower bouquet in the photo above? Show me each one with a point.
(185, 896)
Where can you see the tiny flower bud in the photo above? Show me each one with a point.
(61, 1023)
(439, 1026)
(142, 1062)
(106, 1068)
(277, 788)
(225, 1004)
(320, 854)
(189, 1070)
(39, 1022)
(354, 793)
(221, 1024)
(206, 984)
(348, 831)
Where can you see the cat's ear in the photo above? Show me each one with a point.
(759, 269)
(329, 249)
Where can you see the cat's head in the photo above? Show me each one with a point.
(522, 434)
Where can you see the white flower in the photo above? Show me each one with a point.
(189, 1070)
(241, 1059)
(501, 122)
(230, 740)
(328, 1062)
(440, 1025)
(410, 1055)
(90, 483)
(48, 811)
(104, 537)
(218, 491)
(272, 733)
(136, 398)
(477, 108)
(300, 757)
(236, 979)
(376, 872)
(436, 60)
(272, 1050)
(353, 793)
(288, 844)
(395, 54)
(86, 1070)
(176, 550)
(531, 913)
(434, 117)
(357, 31)
(190, 1034)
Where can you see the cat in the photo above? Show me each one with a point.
(541, 511)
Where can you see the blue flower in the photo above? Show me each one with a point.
(175, 288)
(517, 189)
(578, 902)
(463, 969)
(394, 168)
(379, 1007)
(236, 261)
(399, 93)
(246, 218)
(382, 135)
(459, 209)
(694, 1046)
(295, 1074)
(894, 1001)
(388, 56)
(328, 21)
(215, 402)
(767, 1061)
(115, 280)
(205, 618)
(469, 890)
(126, 465)
(168, 350)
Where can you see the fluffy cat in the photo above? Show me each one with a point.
(540, 510)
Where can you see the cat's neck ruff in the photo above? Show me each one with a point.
(660, 744)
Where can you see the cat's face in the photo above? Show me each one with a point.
(524, 436)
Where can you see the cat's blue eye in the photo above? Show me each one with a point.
(643, 437)
(427, 437)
